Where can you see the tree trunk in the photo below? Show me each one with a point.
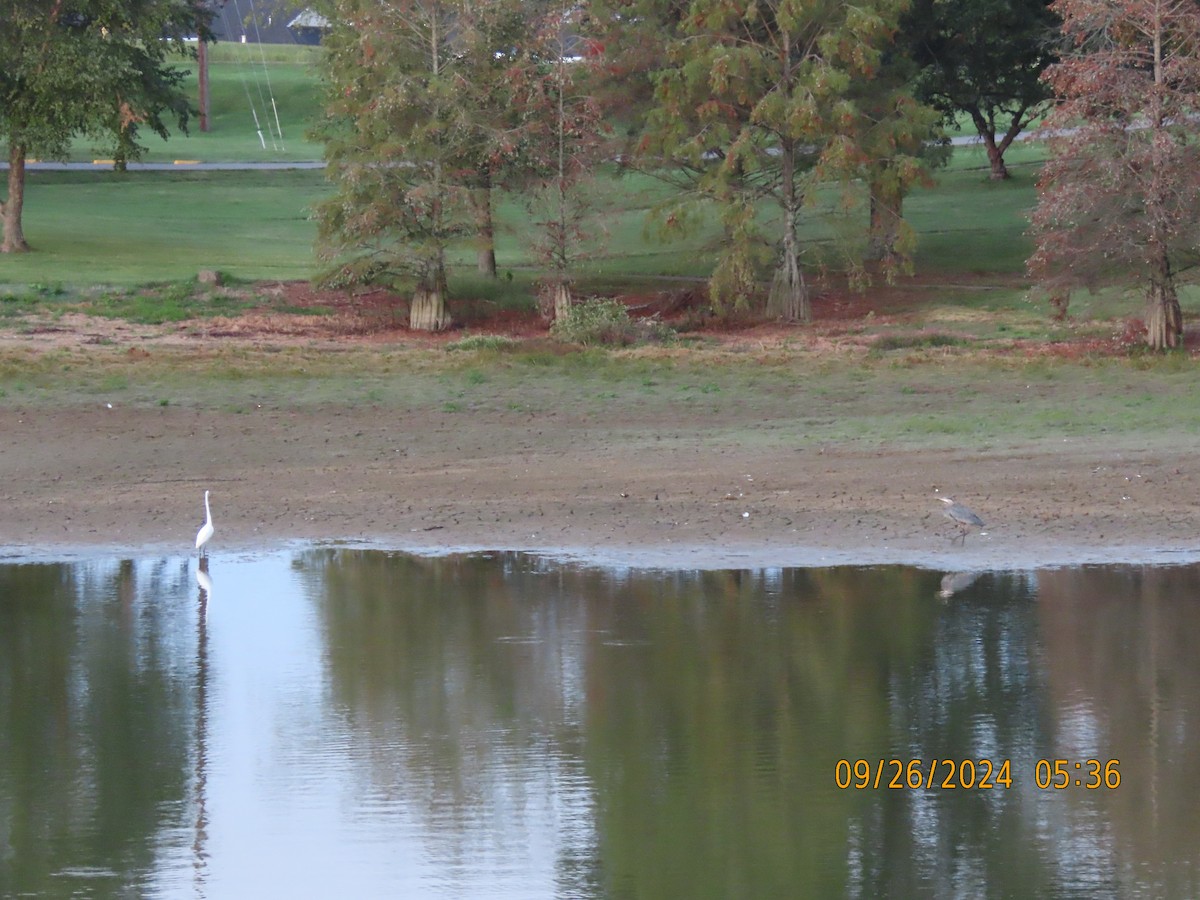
(562, 300)
(428, 311)
(995, 158)
(788, 297)
(14, 237)
(485, 230)
(887, 204)
(986, 128)
(1164, 318)
(554, 299)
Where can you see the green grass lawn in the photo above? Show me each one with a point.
(91, 228)
(105, 228)
(253, 89)
(110, 228)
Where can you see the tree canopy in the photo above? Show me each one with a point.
(394, 133)
(759, 102)
(97, 68)
(984, 59)
(428, 106)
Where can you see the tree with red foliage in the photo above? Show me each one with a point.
(1117, 200)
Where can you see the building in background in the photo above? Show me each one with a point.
(267, 22)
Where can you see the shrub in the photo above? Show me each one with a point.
(915, 341)
(601, 321)
(482, 342)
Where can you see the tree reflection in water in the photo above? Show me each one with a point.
(499, 725)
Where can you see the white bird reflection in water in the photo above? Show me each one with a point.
(203, 579)
(200, 853)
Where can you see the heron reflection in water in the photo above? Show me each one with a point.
(953, 582)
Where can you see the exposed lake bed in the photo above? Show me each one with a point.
(670, 494)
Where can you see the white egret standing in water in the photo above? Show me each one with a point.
(206, 530)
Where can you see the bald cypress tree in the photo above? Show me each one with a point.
(757, 102)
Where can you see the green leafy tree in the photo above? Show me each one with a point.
(491, 58)
(757, 102)
(627, 38)
(565, 136)
(1117, 199)
(391, 140)
(984, 58)
(420, 124)
(900, 141)
(98, 68)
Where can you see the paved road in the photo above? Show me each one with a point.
(176, 166)
(101, 165)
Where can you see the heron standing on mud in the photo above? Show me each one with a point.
(963, 517)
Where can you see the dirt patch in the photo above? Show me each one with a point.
(133, 478)
(296, 313)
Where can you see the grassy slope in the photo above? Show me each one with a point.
(106, 228)
(773, 399)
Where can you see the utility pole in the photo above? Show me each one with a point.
(202, 58)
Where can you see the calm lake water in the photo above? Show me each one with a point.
(342, 723)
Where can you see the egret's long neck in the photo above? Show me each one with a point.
(207, 511)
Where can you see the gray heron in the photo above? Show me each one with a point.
(963, 517)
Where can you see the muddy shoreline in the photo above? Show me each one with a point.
(131, 482)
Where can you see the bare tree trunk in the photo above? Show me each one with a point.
(887, 204)
(986, 128)
(554, 299)
(1164, 318)
(788, 297)
(995, 159)
(562, 300)
(428, 311)
(14, 237)
(485, 229)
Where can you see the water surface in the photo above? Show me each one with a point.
(355, 723)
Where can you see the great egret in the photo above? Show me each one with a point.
(206, 530)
